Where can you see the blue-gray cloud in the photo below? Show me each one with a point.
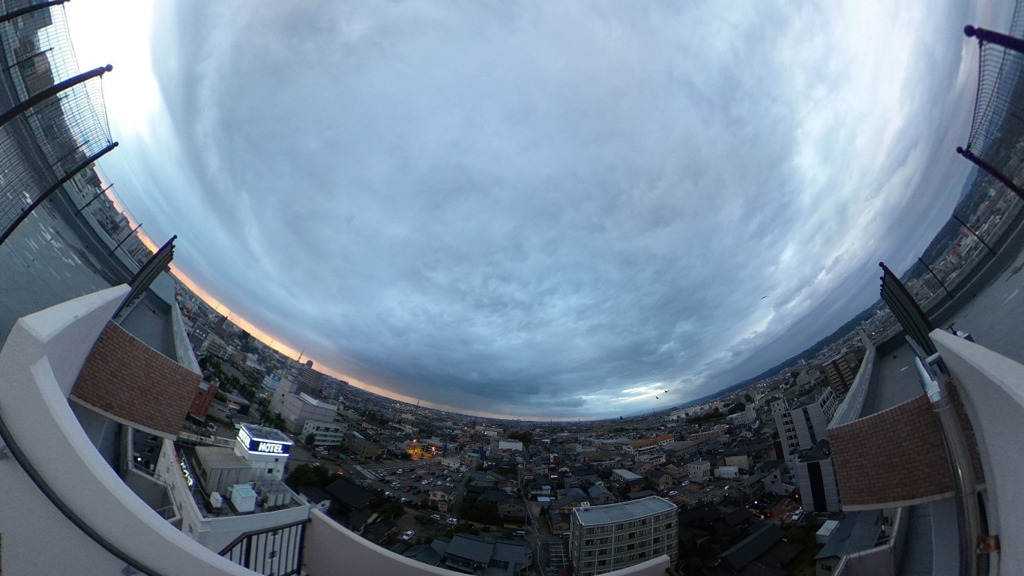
(545, 209)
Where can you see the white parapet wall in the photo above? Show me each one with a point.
(332, 549)
(64, 510)
(991, 387)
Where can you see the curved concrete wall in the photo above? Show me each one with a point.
(332, 549)
(991, 387)
(38, 364)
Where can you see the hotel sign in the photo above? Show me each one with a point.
(262, 446)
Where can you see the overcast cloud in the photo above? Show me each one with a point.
(543, 209)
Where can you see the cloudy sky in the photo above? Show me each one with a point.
(539, 209)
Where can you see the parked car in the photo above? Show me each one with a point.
(453, 521)
(435, 516)
(408, 534)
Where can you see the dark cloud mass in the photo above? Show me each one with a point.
(553, 209)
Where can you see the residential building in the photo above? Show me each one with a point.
(816, 479)
(616, 536)
(296, 409)
(840, 372)
(201, 401)
(471, 554)
(513, 445)
(324, 433)
(698, 470)
(801, 423)
(355, 443)
(311, 381)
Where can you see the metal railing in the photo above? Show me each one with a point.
(914, 321)
(272, 552)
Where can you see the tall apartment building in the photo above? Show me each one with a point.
(802, 422)
(816, 479)
(311, 381)
(616, 536)
(840, 373)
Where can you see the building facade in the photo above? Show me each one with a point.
(816, 479)
(296, 409)
(616, 536)
(803, 422)
(324, 433)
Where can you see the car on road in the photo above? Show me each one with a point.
(408, 534)
(453, 521)
(673, 493)
(435, 516)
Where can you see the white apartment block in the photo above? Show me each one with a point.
(802, 422)
(616, 536)
(698, 470)
(324, 433)
(296, 409)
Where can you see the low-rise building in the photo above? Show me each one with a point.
(324, 433)
(698, 470)
(355, 443)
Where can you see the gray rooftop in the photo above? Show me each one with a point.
(820, 451)
(856, 532)
(261, 433)
(623, 511)
(219, 458)
(475, 549)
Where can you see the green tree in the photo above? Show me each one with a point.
(310, 439)
(526, 437)
(392, 510)
(481, 511)
(748, 398)
(308, 475)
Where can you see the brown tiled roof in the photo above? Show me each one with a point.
(896, 456)
(134, 384)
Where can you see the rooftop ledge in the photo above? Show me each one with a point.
(65, 511)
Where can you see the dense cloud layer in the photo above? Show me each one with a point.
(548, 209)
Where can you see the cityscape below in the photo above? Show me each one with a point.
(144, 432)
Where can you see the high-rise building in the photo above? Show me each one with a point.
(840, 373)
(616, 536)
(803, 422)
(311, 381)
(816, 479)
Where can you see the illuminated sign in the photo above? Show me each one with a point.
(185, 473)
(262, 446)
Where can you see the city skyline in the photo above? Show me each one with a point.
(508, 231)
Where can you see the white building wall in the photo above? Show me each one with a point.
(215, 532)
(325, 433)
(102, 527)
(295, 409)
(698, 471)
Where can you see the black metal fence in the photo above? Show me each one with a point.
(272, 552)
(53, 126)
(997, 127)
(912, 319)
